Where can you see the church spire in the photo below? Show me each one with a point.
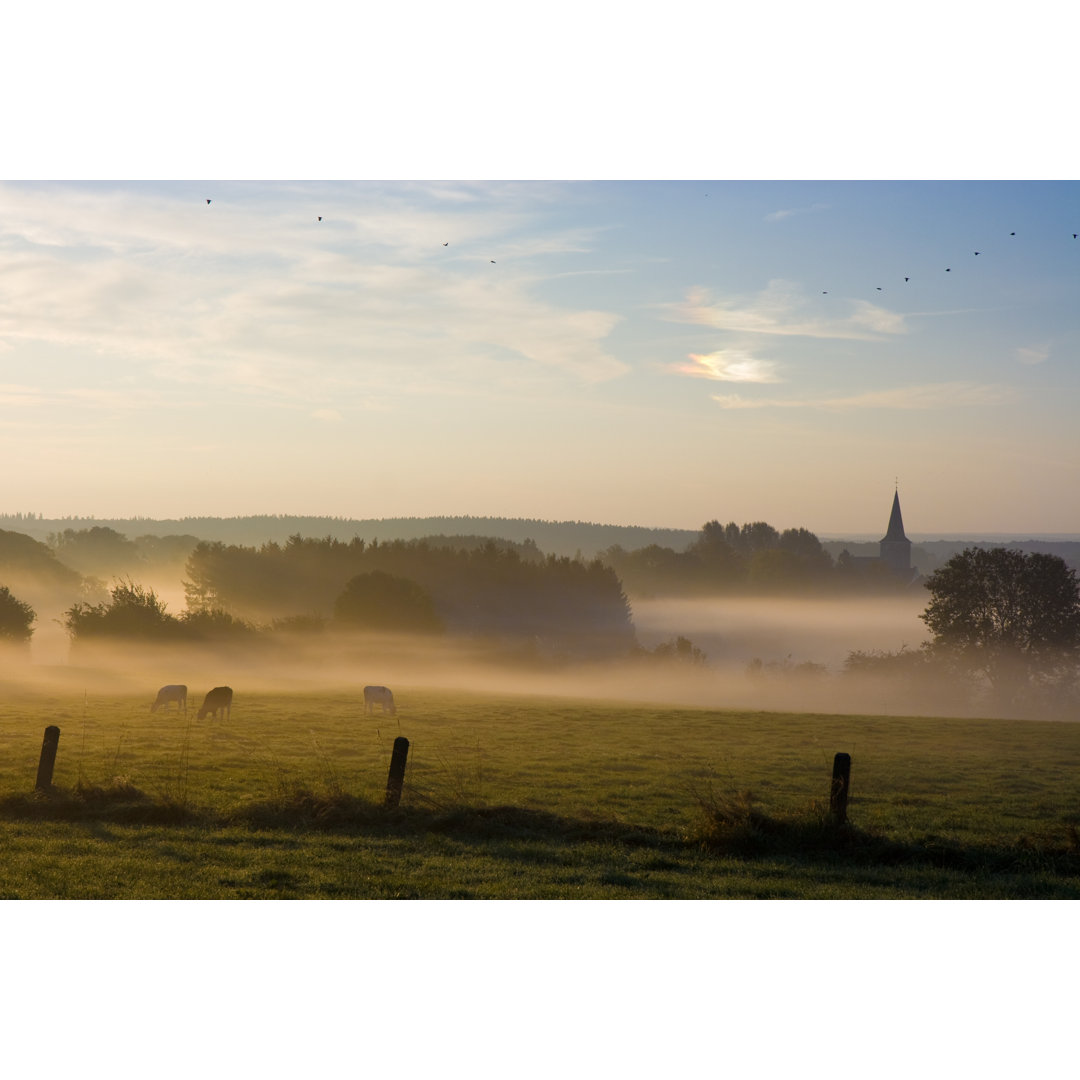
(896, 547)
(896, 521)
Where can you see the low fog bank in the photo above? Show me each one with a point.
(733, 631)
(799, 647)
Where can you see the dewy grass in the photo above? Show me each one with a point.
(530, 798)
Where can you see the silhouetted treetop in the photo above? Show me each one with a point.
(727, 558)
(1009, 616)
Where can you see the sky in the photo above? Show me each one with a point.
(655, 353)
(607, 296)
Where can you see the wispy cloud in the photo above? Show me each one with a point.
(254, 295)
(783, 309)
(730, 365)
(1031, 355)
(928, 396)
(780, 215)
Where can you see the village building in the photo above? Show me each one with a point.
(894, 552)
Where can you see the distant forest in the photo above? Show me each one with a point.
(564, 604)
(570, 538)
(465, 583)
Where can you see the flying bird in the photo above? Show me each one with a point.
(907, 279)
(1012, 234)
(976, 253)
(878, 287)
(948, 269)
(447, 242)
(207, 202)
(492, 262)
(320, 217)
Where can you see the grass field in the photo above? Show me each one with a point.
(528, 797)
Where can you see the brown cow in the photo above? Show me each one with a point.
(218, 700)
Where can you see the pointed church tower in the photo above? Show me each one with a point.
(896, 547)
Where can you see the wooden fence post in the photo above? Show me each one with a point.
(841, 781)
(48, 758)
(397, 772)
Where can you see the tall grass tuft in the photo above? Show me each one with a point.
(730, 824)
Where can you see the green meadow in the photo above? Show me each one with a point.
(520, 797)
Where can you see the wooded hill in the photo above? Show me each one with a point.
(551, 537)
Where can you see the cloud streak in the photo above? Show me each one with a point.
(1032, 355)
(780, 215)
(783, 310)
(928, 396)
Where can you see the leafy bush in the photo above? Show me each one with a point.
(681, 649)
(133, 612)
(16, 617)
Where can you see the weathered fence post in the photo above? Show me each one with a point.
(841, 781)
(397, 772)
(48, 758)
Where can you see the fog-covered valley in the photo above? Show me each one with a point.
(511, 620)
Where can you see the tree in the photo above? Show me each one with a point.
(1011, 617)
(135, 612)
(98, 550)
(381, 601)
(16, 617)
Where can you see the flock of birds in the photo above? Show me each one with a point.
(447, 244)
(948, 269)
(824, 292)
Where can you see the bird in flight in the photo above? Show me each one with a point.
(207, 202)
(948, 269)
(976, 253)
(320, 217)
(878, 287)
(907, 279)
(447, 242)
(1012, 234)
(492, 262)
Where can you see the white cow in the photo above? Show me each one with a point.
(378, 695)
(168, 694)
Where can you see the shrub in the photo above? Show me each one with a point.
(16, 617)
(133, 612)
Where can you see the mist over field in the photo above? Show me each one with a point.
(764, 653)
(733, 631)
(650, 625)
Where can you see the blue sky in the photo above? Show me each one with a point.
(655, 353)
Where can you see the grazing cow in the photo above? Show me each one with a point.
(168, 694)
(378, 695)
(218, 700)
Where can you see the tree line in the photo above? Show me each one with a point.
(1002, 621)
(570, 538)
(492, 589)
(750, 558)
